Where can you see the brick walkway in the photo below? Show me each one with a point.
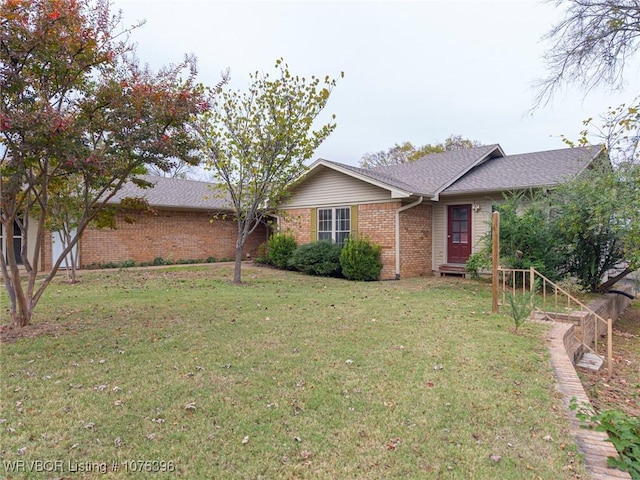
(594, 446)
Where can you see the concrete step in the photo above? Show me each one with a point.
(591, 361)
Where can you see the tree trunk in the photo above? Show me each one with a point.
(604, 287)
(237, 272)
(21, 318)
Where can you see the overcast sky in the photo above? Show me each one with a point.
(416, 71)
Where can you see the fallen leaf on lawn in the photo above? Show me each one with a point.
(245, 440)
(190, 406)
(548, 438)
(495, 458)
(305, 454)
(393, 443)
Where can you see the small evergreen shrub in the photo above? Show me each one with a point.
(360, 260)
(317, 258)
(280, 248)
(522, 304)
(476, 262)
(159, 261)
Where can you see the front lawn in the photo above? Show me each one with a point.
(288, 376)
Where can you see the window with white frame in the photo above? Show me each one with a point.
(334, 224)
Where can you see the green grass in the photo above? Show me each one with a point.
(288, 376)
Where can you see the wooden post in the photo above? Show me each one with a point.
(495, 258)
(532, 279)
(610, 347)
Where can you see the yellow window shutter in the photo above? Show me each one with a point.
(354, 221)
(314, 225)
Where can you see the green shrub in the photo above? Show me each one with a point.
(261, 255)
(210, 260)
(317, 258)
(280, 248)
(360, 260)
(478, 261)
(159, 261)
(623, 431)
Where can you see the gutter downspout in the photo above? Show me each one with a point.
(402, 209)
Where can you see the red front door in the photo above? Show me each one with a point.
(459, 233)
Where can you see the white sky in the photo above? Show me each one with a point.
(416, 71)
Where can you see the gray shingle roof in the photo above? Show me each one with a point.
(175, 193)
(479, 169)
(432, 173)
(537, 169)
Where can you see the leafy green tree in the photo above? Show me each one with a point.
(586, 223)
(596, 220)
(591, 47)
(256, 142)
(527, 237)
(77, 114)
(406, 152)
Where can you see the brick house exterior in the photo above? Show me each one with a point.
(428, 216)
(171, 235)
(184, 224)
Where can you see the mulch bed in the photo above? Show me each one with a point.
(10, 334)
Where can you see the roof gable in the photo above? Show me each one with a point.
(425, 177)
(527, 170)
(433, 173)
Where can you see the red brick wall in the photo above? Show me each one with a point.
(46, 261)
(298, 223)
(377, 222)
(171, 235)
(416, 241)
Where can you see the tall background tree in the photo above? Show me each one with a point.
(77, 114)
(591, 46)
(407, 152)
(256, 142)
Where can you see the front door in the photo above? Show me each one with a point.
(459, 233)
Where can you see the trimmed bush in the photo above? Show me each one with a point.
(360, 260)
(280, 248)
(317, 258)
(261, 255)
